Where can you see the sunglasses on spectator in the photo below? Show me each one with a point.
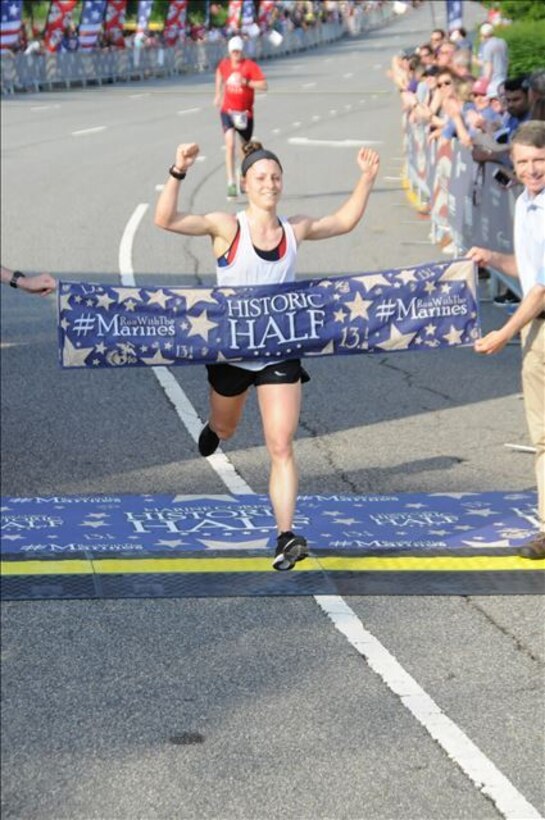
(445, 82)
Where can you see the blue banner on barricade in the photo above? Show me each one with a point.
(442, 166)
(419, 308)
(436, 523)
(454, 14)
(460, 193)
(493, 210)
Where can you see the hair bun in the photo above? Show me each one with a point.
(249, 147)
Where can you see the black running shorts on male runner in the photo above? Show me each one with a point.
(245, 133)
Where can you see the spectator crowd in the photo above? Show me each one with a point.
(457, 91)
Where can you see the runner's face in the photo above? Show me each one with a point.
(264, 183)
(236, 57)
(529, 164)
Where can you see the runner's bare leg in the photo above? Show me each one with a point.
(280, 406)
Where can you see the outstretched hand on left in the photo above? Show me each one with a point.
(369, 162)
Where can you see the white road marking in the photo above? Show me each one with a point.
(189, 111)
(159, 187)
(84, 131)
(316, 117)
(276, 131)
(393, 179)
(179, 400)
(348, 76)
(43, 107)
(296, 124)
(333, 143)
(138, 96)
(460, 749)
(308, 85)
(521, 448)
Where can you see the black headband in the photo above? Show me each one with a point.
(261, 153)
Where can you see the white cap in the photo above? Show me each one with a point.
(486, 29)
(235, 44)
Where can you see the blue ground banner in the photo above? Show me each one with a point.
(131, 526)
(419, 308)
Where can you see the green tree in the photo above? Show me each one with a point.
(522, 9)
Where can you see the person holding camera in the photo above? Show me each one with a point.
(528, 265)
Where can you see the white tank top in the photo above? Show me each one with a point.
(248, 268)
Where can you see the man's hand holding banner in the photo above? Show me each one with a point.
(418, 308)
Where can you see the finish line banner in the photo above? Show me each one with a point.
(420, 308)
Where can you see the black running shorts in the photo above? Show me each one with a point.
(245, 133)
(229, 380)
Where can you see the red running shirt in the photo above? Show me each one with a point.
(237, 96)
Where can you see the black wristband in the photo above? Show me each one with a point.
(176, 174)
(17, 274)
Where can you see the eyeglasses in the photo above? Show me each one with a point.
(446, 82)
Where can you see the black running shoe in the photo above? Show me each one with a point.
(290, 548)
(208, 441)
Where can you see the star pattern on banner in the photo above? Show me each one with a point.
(201, 326)
(426, 307)
(359, 308)
(470, 523)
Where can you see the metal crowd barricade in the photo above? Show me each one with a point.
(466, 204)
(36, 72)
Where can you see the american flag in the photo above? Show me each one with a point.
(12, 13)
(92, 16)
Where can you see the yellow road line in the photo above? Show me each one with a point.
(73, 567)
(109, 566)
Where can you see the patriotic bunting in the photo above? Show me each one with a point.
(234, 12)
(114, 22)
(175, 22)
(58, 18)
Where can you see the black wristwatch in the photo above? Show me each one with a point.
(16, 275)
(173, 171)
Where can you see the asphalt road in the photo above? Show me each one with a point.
(294, 722)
